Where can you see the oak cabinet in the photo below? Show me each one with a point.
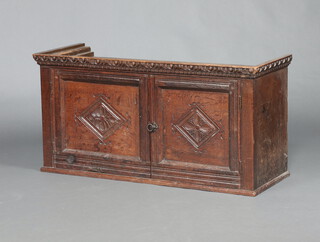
(209, 127)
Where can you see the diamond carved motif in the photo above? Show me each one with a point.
(101, 118)
(196, 126)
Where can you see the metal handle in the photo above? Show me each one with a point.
(152, 127)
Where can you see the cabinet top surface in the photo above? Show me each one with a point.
(81, 56)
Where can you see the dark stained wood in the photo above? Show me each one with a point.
(101, 120)
(246, 144)
(270, 126)
(53, 58)
(76, 51)
(58, 50)
(202, 126)
(169, 183)
(47, 115)
(88, 53)
(194, 139)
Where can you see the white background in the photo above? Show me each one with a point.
(38, 206)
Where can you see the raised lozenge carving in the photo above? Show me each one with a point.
(101, 118)
(196, 126)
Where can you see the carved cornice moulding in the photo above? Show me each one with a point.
(80, 56)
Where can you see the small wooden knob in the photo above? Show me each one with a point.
(71, 159)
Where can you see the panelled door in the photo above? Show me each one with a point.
(194, 130)
(100, 123)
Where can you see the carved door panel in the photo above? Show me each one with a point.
(196, 140)
(99, 120)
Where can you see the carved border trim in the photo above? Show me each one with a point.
(273, 66)
(163, 67)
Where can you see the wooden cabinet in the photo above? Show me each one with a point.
(210, 127)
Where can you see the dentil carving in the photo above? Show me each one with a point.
(162, 67)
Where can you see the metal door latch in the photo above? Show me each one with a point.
(152, 127)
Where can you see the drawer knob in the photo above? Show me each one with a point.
(152, 127)
(71, 159)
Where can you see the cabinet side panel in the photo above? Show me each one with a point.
(46, 90)
(270, 113)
